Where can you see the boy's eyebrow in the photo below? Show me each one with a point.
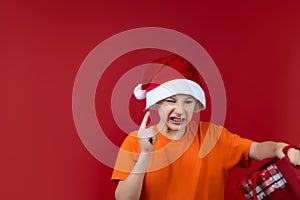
(171, 97)
(189, 98)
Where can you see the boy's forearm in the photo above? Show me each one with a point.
(269, 149)
(131, 187)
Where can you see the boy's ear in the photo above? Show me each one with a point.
(198, 107)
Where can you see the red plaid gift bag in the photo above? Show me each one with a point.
(275, 180)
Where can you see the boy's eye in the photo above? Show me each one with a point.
(170, 100)
(189, 101)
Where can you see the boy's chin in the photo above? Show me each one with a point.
(176, 127)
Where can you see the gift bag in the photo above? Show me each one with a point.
(274, 180)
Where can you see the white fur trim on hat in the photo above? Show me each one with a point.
(139, 93)
(173, 87)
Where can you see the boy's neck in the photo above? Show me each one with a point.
(171, 134)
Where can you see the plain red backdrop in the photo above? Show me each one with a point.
(256, 46)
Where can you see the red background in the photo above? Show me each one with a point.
(256, 47)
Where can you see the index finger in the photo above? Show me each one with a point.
(145, 120)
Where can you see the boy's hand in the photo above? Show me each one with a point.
(294, 156)
(147, 136)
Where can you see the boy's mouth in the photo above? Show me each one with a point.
(177, 120)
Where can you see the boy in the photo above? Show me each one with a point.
(165, 161)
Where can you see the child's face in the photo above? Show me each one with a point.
(176, 112)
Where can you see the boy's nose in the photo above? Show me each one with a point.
(178, 108)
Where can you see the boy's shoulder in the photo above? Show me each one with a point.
(131, 137)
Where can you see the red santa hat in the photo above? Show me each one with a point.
(169, 76)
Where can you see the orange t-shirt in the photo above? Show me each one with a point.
(177, 169)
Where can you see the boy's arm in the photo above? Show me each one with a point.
(269, 149)
(131, 187)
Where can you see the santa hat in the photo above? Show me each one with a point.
(169, 76)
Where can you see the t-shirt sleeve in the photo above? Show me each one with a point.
(237, 150)
(127, 157)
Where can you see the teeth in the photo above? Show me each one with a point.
(177, 119)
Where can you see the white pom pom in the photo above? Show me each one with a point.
(139, 93)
